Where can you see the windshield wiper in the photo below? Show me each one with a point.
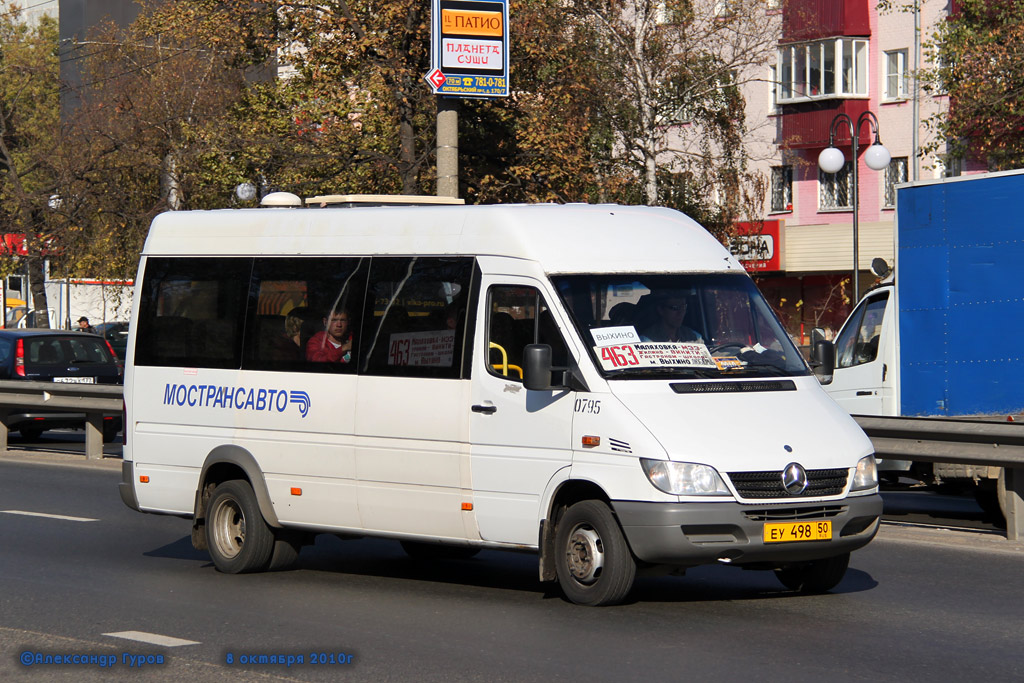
(759, 369)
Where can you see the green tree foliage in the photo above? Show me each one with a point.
(980, 52)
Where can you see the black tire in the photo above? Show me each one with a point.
(436, 551)
(990, 494)
(592, 559)
(237, 536)
(818, 576)
(109, 434)
(30, 433)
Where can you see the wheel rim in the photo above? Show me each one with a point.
(229, 528)
(585, 554)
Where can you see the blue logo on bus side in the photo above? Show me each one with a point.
(239, 398)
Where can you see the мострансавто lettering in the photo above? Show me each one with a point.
(238, 398)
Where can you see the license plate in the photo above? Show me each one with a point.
(75, 380)
(786, 532)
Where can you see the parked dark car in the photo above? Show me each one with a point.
(58, 356)
(117, 334)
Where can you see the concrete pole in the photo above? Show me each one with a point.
(447, 147)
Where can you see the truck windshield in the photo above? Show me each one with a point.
(679, 325)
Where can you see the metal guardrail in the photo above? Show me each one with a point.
(977, 442)
(91, 399)
(967, 441)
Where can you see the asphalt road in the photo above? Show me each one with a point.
(916, 605)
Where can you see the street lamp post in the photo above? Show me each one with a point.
(831, 160)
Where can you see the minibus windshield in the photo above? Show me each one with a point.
(678, 325)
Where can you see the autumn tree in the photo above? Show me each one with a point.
(29, 133)
(674, 71)
(135, 139)
(979, 50)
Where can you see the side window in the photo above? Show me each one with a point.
(414, 322)
(303, 314)
(517, 316)
(192, 311)
(858, 342)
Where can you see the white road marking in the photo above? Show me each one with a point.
(152, 638)
(43, 514)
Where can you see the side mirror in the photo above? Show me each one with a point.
(537, 367)
(817, 335)
(823, 354)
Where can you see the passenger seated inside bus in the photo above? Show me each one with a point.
(333, 344)
(287, 346)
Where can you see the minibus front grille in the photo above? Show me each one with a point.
(782, 514)
(769, 484)
(732, 387)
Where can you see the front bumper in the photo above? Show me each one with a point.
(691, 534)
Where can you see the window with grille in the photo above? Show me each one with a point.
(835, 190)
(895, 174)
(782, 188)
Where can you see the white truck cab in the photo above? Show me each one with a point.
(603, 385)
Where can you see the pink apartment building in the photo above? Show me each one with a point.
(836, 57)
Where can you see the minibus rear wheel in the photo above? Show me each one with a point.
(818, 576)
(237, 536)
(593, 560)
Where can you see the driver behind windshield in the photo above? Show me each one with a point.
(668, 325)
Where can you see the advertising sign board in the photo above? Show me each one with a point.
(469, 48)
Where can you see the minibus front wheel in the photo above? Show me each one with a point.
(593, 560)
(237, 536)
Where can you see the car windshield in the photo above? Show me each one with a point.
(679, 325)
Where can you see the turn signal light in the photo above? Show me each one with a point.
(296, 491)
(143, 478)
(591, 441)
(467, 506)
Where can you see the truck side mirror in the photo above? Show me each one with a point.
(537, 367)
(817, 335)
(823, 362)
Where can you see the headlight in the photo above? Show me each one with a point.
(866, 476)
(684, 478)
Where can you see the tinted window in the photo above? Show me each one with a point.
(303, 314)
(192, 311)
(518, 316)
(65, 350)
(414, 324)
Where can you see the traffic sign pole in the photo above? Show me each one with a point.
(447, 147)
(469, 58)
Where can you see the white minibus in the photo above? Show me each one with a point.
(602, 385)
